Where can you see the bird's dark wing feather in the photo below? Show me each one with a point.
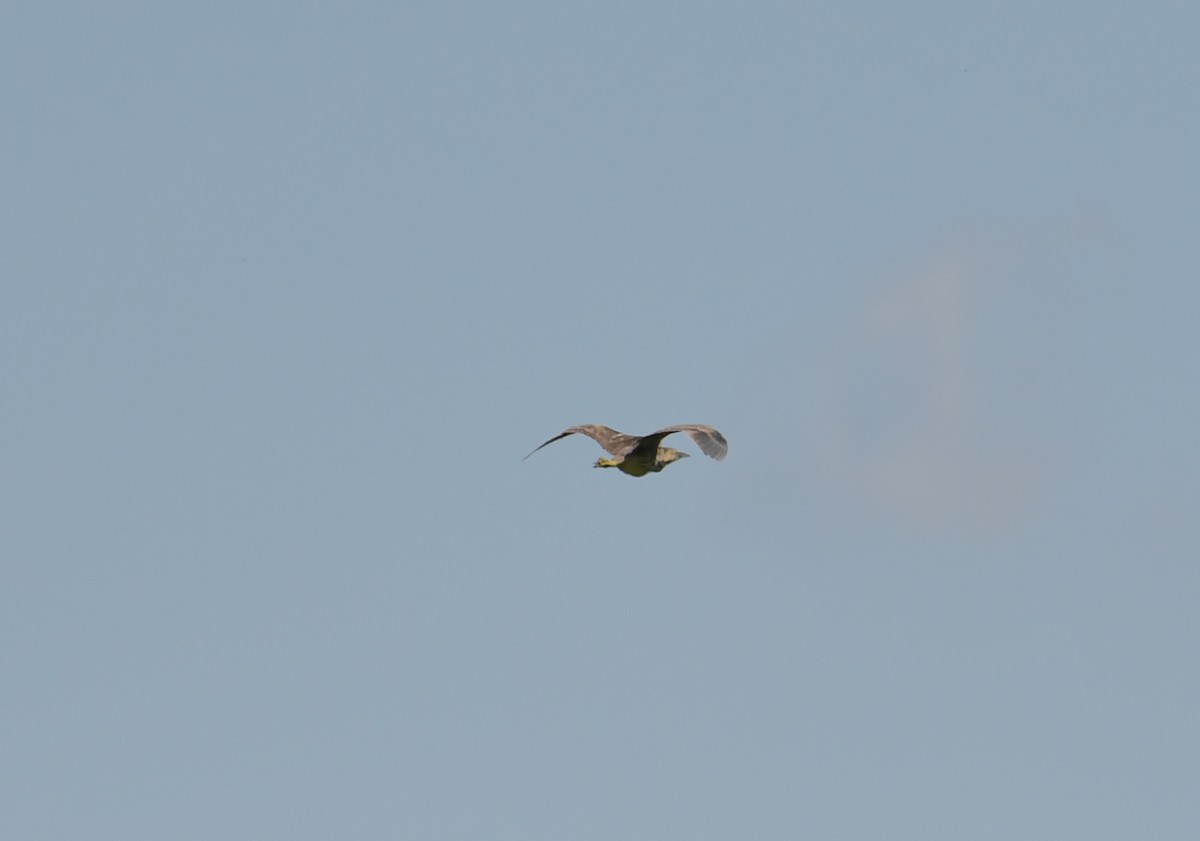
(617, 443)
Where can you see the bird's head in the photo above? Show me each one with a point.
(666, 455)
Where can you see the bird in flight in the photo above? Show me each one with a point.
(638, 455)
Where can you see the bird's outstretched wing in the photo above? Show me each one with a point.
(617, 443)
(710, 442)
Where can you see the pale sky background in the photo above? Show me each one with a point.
(288, 289)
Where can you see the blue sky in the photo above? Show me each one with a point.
(288, 291)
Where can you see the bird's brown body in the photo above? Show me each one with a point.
(637, 455)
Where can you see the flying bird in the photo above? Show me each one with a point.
(638, 455)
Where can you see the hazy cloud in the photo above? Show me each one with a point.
(912, 424)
